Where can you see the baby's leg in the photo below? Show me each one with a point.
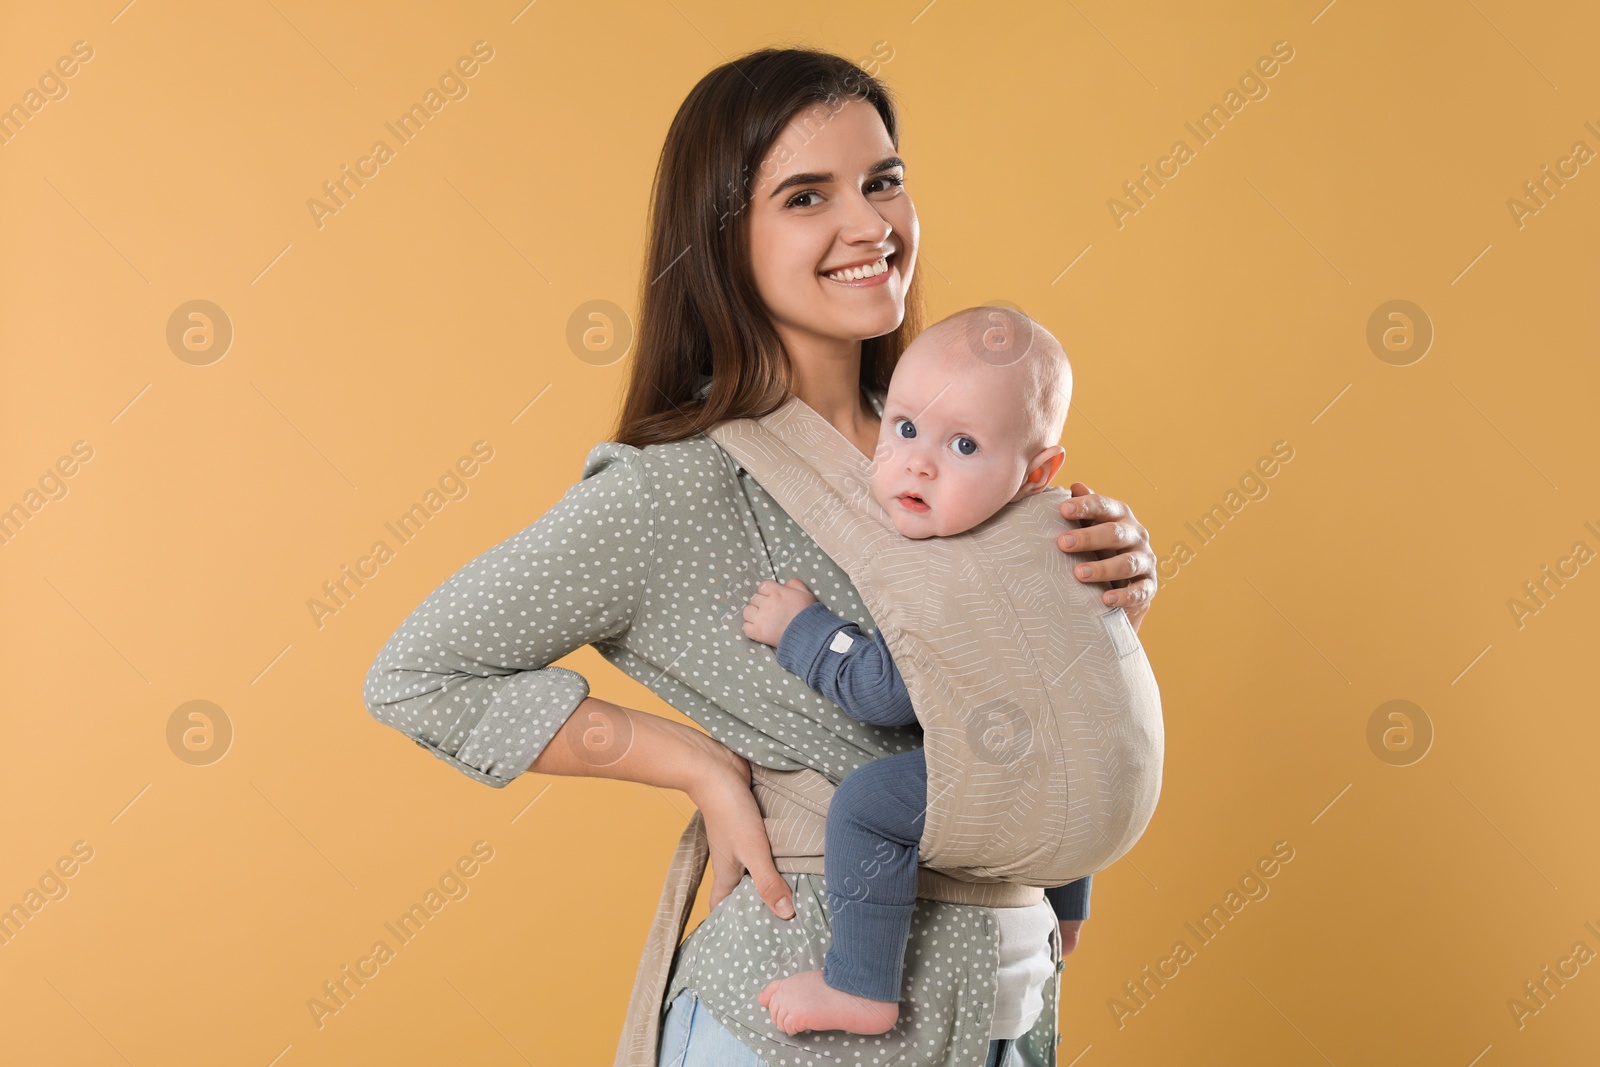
(870, 869)
(874, 827)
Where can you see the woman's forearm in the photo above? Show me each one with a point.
(605, 740)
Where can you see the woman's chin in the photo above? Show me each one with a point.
(877, 316)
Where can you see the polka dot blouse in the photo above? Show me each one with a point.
(651, 558)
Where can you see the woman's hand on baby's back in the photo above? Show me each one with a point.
(773, 607)
(1121, 545)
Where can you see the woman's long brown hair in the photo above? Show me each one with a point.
(700, 313)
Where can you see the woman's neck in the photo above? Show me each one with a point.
(829, 383)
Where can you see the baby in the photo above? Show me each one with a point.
(971, 423)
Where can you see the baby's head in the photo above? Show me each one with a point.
(972, 421)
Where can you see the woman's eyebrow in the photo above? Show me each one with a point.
(815, 178)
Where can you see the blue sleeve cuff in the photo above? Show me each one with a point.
(1070, 901)
(806, 638)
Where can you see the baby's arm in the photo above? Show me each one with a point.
(838, 661)
(1070, 901)
(830, 654)
(1071, 904)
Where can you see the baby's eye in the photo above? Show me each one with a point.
(911, 430)
(960, 449)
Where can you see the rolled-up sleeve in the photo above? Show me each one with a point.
(467, 675)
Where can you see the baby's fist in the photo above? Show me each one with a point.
(772, 609)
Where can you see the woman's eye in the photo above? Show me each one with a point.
(898, 423)
(963, 450)
(794, 201)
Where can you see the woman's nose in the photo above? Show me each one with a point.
(863, 224)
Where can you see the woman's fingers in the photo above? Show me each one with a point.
(737, 835)
(724, 877)
(1125, 565)
(755, 854)
(1099, 512)
(1112, 533)
(725, 870)
(770, 884)
(1123, 548)
(1131, 575)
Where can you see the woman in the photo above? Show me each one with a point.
(779, 169)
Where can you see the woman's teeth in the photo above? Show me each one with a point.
(855, 274)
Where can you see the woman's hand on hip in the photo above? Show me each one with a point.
(738, 838)
(605, 740)
(1121, 545)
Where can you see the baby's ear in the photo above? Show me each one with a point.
(1042, 470)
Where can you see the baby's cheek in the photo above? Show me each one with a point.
(880, 493)
(976, 495)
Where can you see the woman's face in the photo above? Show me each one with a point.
(829, 195)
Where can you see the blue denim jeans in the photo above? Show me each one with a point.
(692, 1037)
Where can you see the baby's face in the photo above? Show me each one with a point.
(950, 452)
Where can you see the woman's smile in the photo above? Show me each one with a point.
(861, 276)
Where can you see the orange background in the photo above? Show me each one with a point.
(1229, 313)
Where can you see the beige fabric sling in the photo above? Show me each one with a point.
(1041, 717)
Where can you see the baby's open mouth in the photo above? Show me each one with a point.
(912, 502)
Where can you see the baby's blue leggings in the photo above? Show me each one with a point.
(875, 823)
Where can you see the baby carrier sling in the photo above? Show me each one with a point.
(1024, 682)
(1041, 717)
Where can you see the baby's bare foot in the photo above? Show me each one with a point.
(805, 1002)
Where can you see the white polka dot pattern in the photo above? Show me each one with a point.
(651, 558)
